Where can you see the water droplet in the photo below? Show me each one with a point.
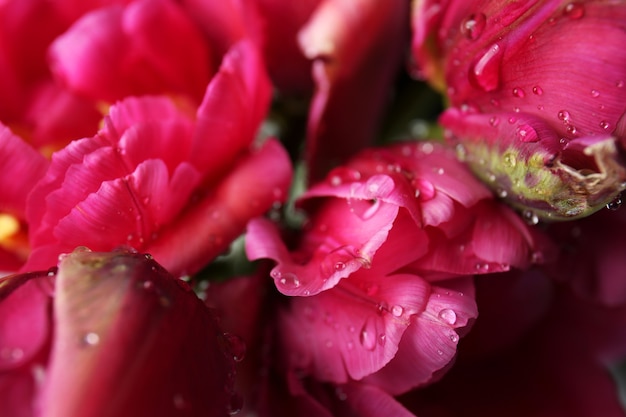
(509, 159)
(91, 339)
(526, 133)
(615, 204)
(501, 192)
(485, 73)
(563, 115)
(572, 130)
(619, 84)
(367, 336)
(382, 338)
(235, 346)
(530, 217)
(595, 93)
(605, 125)
(53, 271)
(441, 171)
(11, 354)
(439, 352)
(341, 175)
(461, 152)
(473, 25)
(448, 316)
(540, 107)
(494, 121)
(574, 10)
(482, 267)
(518, 92)
(512, 119)
(427, 148)
(454, 338)
(537, 90)
(397, 310)
(350, 345)
(148, 285)
(289, 280)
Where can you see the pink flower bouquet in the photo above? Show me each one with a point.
(323, 208)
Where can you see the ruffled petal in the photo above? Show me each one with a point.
(343, 239)
(208, 227)
(353, 329)
(430, 342)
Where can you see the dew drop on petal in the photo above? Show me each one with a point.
(530, 217)
(473, 25)
(382, 338)
(448, 316)
(454, 338)
(619, 84)
(501, 192)
(537, 90)
(397, 310)
(563, 115)
(518, 92)
(91, 339)
(485, 73)
(572, 130)
(595, 93)
(605, 125)
(367, 336)
(574, 10)
(526, 133)
(439, 352)
(289, 280)
(494, 121)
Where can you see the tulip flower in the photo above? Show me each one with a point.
(540, 130)
(146, 47)
(160, 180)
(32, 104)
(110, 334)
(348, 53)
(380, 281)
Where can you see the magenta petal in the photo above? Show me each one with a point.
(370, 401)
(344, 114)
(22, 166)
(137, 110)
(430, 342)
(24, 318)
(500, 236)
(83, 56)
(172, 44)
(353, 329)
(131, 340)
(343, 239)
(234, 105)
(207, 228)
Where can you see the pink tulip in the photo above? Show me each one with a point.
(347, 54)
(110, 334)
(162, 181)
(146, 47)
(31, 103)
(380, 280)
(536, 91)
